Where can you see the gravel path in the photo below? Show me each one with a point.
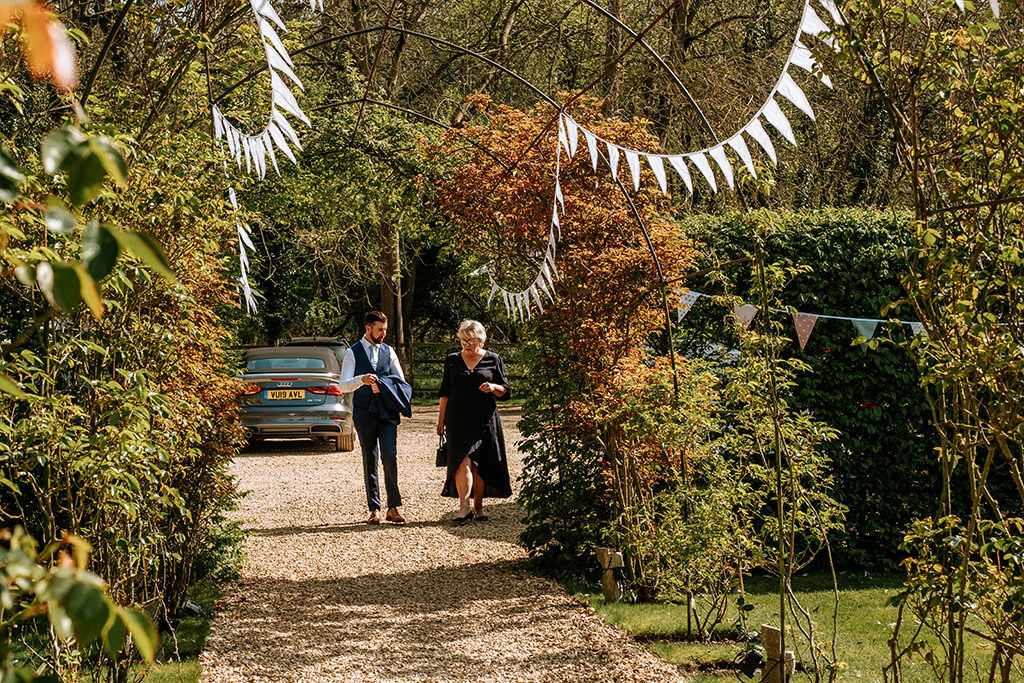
(325, 597)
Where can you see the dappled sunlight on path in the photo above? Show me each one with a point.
(325, 597)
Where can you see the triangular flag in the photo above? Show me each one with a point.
(801, 56)
(536, 297)
(744, 314)
(270, 34)
(683, 170)
(658, 168)
(270, 148)
(718, 154)
(571, 132)
(837, 16)
(286, 128)
(233, 198)
(791, 91)
(804, 323)
(279, 140)
(740, 147)
(774, 115)
(561, 134)
(592, 146)
(633, 160)
(686, 302)
(755, 130)
(264, 7)
(918, 328)
(701, 162)
(218, 124)
(866, 329)
(613, 160)
(811, 23)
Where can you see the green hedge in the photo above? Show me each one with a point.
(884, 470)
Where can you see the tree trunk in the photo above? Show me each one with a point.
(391, 286)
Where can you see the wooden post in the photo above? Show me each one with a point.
(610, 560)
(771, 640)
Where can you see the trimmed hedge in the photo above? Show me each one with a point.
(884, 470)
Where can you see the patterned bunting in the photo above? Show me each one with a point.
(686, 302)
(744, 314)
(804, 323)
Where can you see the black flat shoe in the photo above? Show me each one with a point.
(480, 518)
(459, 521)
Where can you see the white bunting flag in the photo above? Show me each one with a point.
(280, 142)
(558, 194)
(536, 297)
(270, 34)
(243, 230)
(745, 314)
(718, 154)
(572, 133)
(285, 98)
(774, 115)
(218, 124)
(811, 23)
(755, 130)
(286, 128)
(739, 146)
(494, 290)
(233, 198)
(804, 323)
(274, 59)
(701, 162)
(686, 302)
(791, 91)
(270, 149)
(837, 16)
(613, 160)
(801, 56)
(633, 160)
(683, 170)
(264, 8)
(658, 168)
(562, 138)
(592, 146)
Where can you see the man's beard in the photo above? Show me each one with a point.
(377, 340)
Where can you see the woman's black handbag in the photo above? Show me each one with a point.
(442, 451)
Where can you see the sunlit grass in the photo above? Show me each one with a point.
(863, 624)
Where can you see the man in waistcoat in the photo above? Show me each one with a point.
(368, 360)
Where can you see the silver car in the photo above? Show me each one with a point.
(294, 392)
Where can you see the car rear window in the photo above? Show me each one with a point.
(286, 364)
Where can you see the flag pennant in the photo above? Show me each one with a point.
(658, 168)
(286, 128)
(811, 23)
(918, 328)
(774, 115)
(718, 154)
(701, 162)
(613, 160)
(270, 148)
(264, 8)
(572, 133)
(740, 147)
(562, 139)
(801, 56)
(591, 146)
(683, 170)
(279, 140)
(804, 323)
(866, 329)
(633, 160)
(494, 290)
(218, 124)
(558, 194)
(275, 61)
(744, 314)
(536, 297)
(686, 302)
(270, 34)
(837, 16)
(755, 130)
(791, 91)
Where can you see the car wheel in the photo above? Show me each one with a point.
(346, 442)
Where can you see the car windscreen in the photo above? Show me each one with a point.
(290, 363)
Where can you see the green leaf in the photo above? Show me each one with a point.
(99, 250)
(62, 149)
(143, 632)
(26, 275)
(11, 177)
(59, 221)
(90, 294)
(9, 386)
(114, 635)
(148, 251)
(88, 609)
(60, 284)
(111, 158)
(86, 179)
(62, 623)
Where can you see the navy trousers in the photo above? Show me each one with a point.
(378, 439)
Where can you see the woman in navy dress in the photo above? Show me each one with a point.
(477, 467)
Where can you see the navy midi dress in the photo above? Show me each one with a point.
(472, 422)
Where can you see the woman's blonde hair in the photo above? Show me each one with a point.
(473, 330)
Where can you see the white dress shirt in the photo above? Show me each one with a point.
(350, 381)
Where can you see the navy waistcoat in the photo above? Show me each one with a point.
(363, 396)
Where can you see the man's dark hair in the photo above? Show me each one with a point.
(372, 317)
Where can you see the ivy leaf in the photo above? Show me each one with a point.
(62, 149)
(111, 158)
(9, 386)
(100, 250)
(148, 251)
(143, 632)
(59, 221)
(11, 177)
(60, 285)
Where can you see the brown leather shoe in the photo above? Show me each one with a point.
(374, 517)
(394, 517)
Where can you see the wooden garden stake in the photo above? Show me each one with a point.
(610, 560)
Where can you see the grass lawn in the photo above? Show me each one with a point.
(863, 627)
(179, 657)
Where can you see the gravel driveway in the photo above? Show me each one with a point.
(325, 597)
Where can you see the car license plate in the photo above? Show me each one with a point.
(285, 394)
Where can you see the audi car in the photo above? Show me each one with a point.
(294, 392)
